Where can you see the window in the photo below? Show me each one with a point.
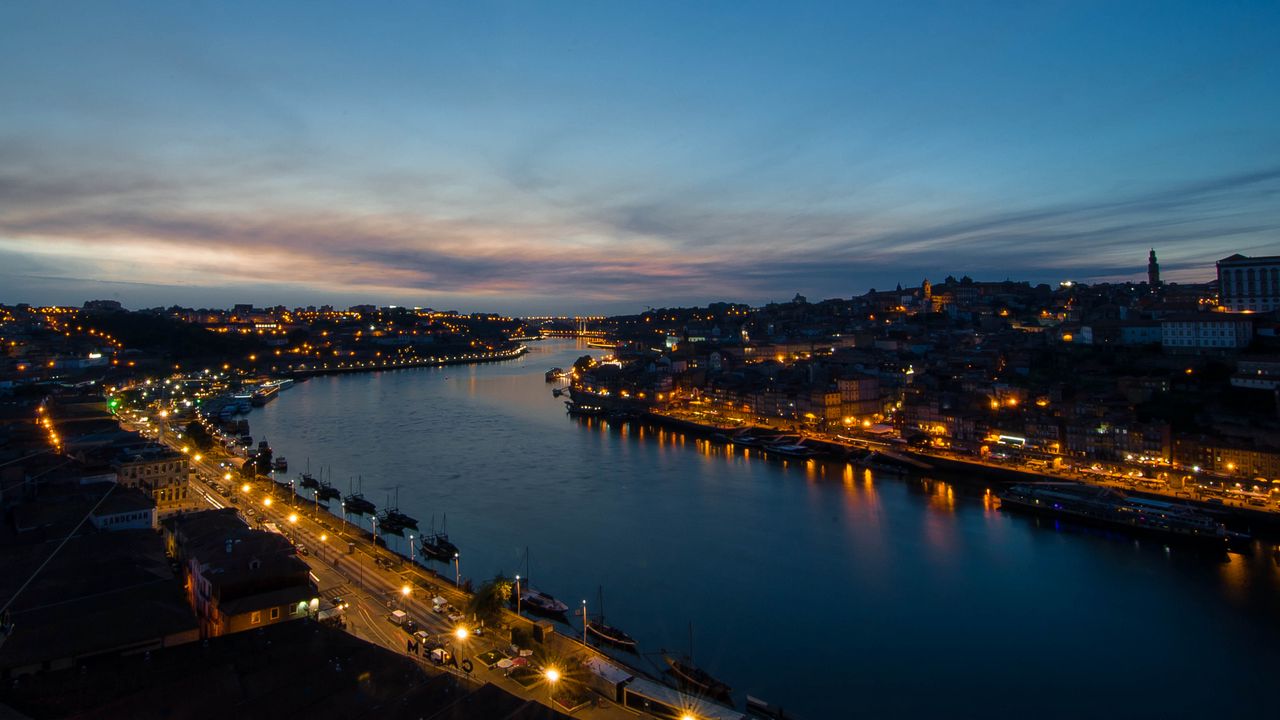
(255, 618)
(275, 613)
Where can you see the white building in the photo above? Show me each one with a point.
(1206, 331)
(125, 509)
(1249, 284)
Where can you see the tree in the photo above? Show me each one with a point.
(490, 598)
(199, 435)
(263, 460)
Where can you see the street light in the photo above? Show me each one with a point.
(553, 676)
(266, 502)
(517, 596)
(293, 518)
(584, 622)
(411, 549)
(457, 571)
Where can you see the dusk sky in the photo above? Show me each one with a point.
(533, 157)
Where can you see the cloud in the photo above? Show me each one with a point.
(254, 223)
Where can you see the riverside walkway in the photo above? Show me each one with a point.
(375, 582)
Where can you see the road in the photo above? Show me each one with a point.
(372, 581)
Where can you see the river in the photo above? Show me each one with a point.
(819, 587)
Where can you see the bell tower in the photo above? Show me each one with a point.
(1153, 271)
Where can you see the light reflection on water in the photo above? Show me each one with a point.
(807, 583)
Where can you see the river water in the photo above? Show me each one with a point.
(820, 587)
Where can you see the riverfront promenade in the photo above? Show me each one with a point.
(924, 459)
(374, 581)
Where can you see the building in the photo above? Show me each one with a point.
(1248, 284)
(102, 597)
(158, 470)
(238, 578)
(1153, 271)
(125, 509)
(1257, 373)
(1206, 331)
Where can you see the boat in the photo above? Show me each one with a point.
(307, 480)
(436, 545)
(280, 464)
(264, 395)
(1111, 508)
(611, 635)
(540, 602)
(576, 408)
(388, 525)
(696, 680)
(393, 514)
(356, 503)
(786, 449)
(555, 374)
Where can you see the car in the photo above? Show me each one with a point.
(302, 549)
(410, 626)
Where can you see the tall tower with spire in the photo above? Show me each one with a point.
(1153, 271)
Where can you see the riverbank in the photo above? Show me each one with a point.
(661, 521)
(362, 366)
(1236, 515)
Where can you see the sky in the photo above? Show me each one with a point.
(572, 157)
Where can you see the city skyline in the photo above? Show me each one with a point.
(568, 158)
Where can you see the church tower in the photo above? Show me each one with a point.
(1153, 271)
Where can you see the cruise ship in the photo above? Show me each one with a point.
(1111, 508)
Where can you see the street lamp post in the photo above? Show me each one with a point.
(344, 516)
(553, 676)
(457, 571)
(411, 549)
(517, 596)
(584, 622)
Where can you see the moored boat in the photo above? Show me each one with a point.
(1112, 508)
(540, 602)
(611, 635)
(696, 680)
(436, 545)
(606, 633)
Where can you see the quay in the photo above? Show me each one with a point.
(375, 583)
(954, 467)
(372, 366)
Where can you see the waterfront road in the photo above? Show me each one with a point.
(373, 582)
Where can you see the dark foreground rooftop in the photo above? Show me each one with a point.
(298, 669)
